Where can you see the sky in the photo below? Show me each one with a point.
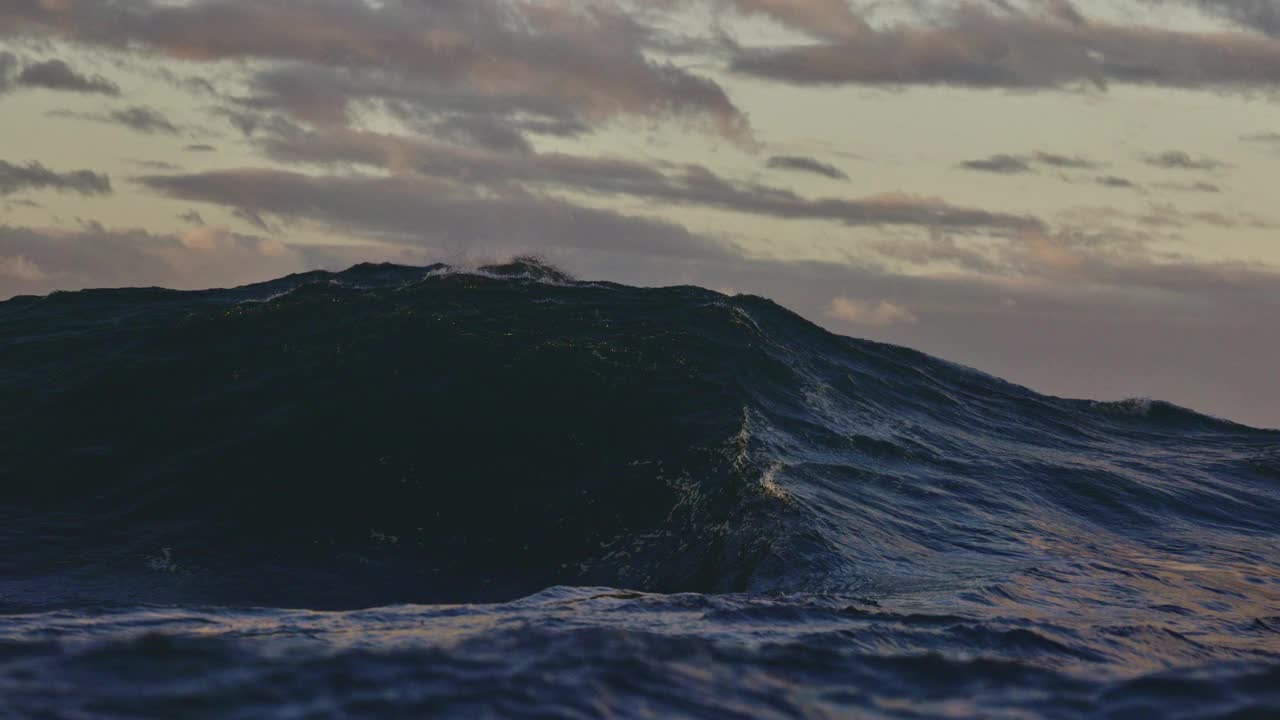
(1073, 195)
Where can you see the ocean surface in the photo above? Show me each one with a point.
(426, 492)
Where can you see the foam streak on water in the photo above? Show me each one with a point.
(452, 470)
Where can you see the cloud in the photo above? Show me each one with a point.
(58, 75)
(192, 217)
(1201, 187)
(327, 97)
(156, 165)
(1261, 15)
(690, 185)
(430, 212)
(1008, 164)
(1179, 160)
(588, 58)
(486, 132)
(249, 117)
(50, 75)
(145, 120)
(252, 218)
(35, 176)
(940, 250)
(8, 69)
(879, 314)
(1082, 259)
(1000, 45)
(1003, 164)
(39, 260)
(832, 19)
(200, 148)
(1170, 216)
(1067, 162)
(808, 165)
(1113, 181)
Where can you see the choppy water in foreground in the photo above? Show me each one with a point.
(453, 471)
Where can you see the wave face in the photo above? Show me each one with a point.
(849, 521)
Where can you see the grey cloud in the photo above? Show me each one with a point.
(193, 84)
(1011, 164)
(58, 75)
(1114, 181)
(325, 97)
(1179, 160)
(1201, 187)
(34, 176)
(563, 126)
(416, 105)
(50, 75)
(485, 132)
(1261, 15)
(249, 117)
(252, 218)
(806, 164)
(431, 212)
(1267, 137)
(588, 57)
(1170, 216)
(1003, 164)
(833, 19)
(8, 68)
(192, 217)
(1123, 260)
(200, 148)
(145, 120)
(156, 165)
(939, 249)
(692, 185)
(1069, 162)
(245, 122)
(1001, 46)
(700, 187)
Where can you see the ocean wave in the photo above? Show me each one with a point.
(804, 524)
(395, 434)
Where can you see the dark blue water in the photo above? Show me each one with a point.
(406, 492)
